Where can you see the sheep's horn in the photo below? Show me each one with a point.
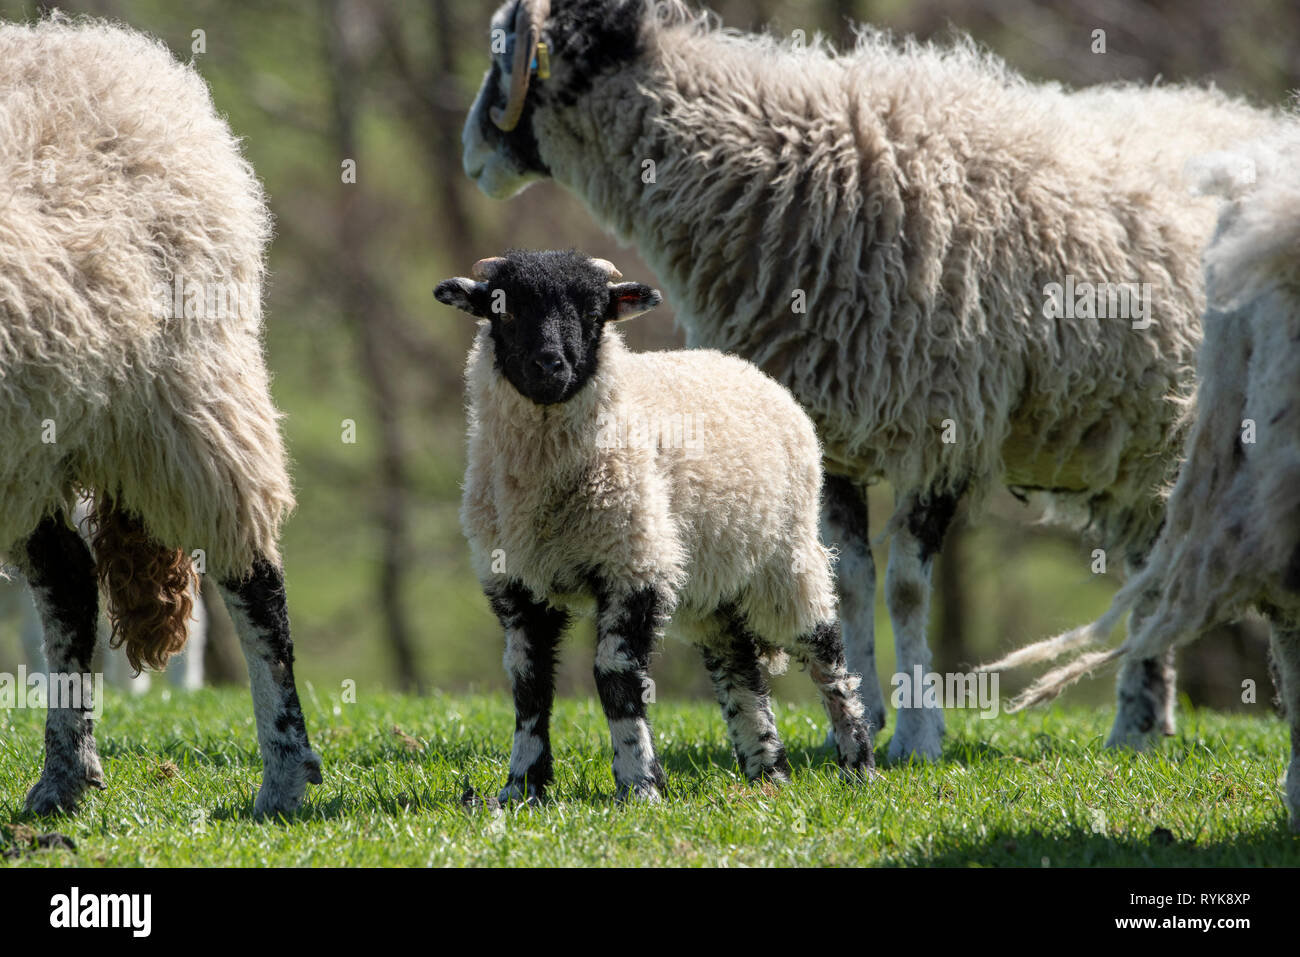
(607, 267)
(529, 18)
(484, 268)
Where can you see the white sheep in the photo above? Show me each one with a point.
(1232, 534)
(132, 238)
(670, 490)
(887, 233)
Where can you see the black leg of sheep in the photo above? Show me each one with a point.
(1284, 641)
(745, 698)
(261, 615)
(626, 626)
(61, 573)
(533, 631)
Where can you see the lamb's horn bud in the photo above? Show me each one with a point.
(484, 268)
(608, 268)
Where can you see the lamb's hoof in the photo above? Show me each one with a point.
(517, 792)
(878, 721)
(919, 735)
(284, 788)
(643, 792)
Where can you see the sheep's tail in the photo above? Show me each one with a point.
(147, 586)
(1085, 636)
(1054, 682)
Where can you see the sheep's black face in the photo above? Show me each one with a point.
(585, 38)
(548, 311)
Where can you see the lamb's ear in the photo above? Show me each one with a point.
(465, 294)
(628, 299)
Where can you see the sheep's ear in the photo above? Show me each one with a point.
(465, 294)
(628, 299)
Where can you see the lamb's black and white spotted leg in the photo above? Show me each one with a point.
(743, 693)
(845, 525)
(1284, 642)
(261, 615)
(61, 574)
(533, 630)
(627, 624)
(907, 593)
(823, 652)
(1145, 690)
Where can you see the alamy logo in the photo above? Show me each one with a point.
(1099, 300)
(79, 692)
(131, 911)
(922, 689)
(184, 299)
(641, 431)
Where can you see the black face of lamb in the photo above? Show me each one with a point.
(547, 311)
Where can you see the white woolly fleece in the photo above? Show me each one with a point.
(734, 520)
(1233, 519)
(921, 198)
(117, 177)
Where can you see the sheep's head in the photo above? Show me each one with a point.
(544, 54)
(547, 312)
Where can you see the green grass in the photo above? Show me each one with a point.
(1034, 790)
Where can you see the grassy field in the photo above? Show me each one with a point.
(1034, 790)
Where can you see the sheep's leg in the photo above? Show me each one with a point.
(823, 651)
(907, 594)
(1284, 640)
(533, 631)
(845, 524)
(261, 616)
(626, 627)
(743, 693)
(1145, 692)
(61, 573)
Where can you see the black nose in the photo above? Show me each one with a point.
(549, 363)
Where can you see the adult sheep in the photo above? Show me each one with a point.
(668, 490)
(878, 231)
(121, 184)
(1232, 538)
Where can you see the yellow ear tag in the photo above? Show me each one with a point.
(543, 62)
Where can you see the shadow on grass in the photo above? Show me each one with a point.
(1270, 846)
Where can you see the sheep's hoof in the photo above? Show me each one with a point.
(1136, 732)
(919, 735)
(60, 792)
(643, 792)
(517, 792)
(284, 788)
(46, 797)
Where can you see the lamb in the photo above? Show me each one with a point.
(129, 219)
(1232, 538)
(881, 232)
(672, 490)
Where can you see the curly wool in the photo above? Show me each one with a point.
(920, 199)
(1232, 538)
(554, 491)
(118, 178)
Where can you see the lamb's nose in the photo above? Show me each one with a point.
(549, 363)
